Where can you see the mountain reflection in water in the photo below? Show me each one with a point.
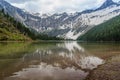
(63, 61)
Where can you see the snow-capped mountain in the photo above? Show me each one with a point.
(68, 26)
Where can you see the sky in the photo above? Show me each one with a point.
(56, 6)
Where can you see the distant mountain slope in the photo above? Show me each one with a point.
(10, 29)
(67, 26)
(108, 31)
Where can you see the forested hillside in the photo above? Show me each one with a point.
(11, 30)
(107, 31)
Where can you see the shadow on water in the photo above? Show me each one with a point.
(52, 61)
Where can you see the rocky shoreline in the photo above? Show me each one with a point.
(108, 71)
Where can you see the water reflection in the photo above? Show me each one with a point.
(90, 62)
(62, 61)
(65, 55)
(48, 72)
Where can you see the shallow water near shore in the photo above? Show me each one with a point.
(53, 60)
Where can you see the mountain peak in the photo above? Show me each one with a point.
(107, 3)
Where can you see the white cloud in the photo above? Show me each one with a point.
(56, 6)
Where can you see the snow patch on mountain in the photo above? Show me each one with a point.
(34, 19)
(99, 17)
(57, 17)
(71, 35)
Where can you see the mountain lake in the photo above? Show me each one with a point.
(68, 60)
